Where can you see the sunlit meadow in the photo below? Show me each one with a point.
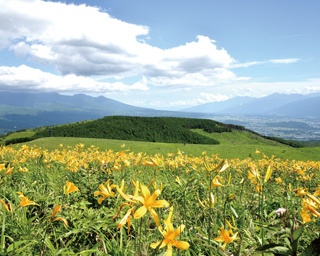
(86, 201)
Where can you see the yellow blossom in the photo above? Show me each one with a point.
(317, 192)
(55, 211)
(308, 205)
(70, 187)
(169, 236)
(25, 201)
(8, 206)
(301, 191)
(306, 217)
(63, 220)
(226, 236)
(126, 219)
(215, 182)
(105, 191)
(149, 202)
(278, 180)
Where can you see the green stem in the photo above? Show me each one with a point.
(2, 232)
(261, 214)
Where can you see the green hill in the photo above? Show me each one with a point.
(151, 129)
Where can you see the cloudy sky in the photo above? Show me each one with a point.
(162, 54)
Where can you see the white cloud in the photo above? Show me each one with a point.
(211, 97)
(92, 43)
(25, 78)
(284, 61)
(275, 61)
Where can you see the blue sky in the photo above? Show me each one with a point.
(168, 54)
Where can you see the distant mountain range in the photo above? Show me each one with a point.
(287, 105)
(29, 110)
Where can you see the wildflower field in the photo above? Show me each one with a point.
(86, 201)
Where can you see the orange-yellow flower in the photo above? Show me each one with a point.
(149, 202)
(301, 191)
(226, 236)
(105, 191)
(306, 217)
(215, 182)
(63, 220)
(169, 236)
(55, 211)
(6, 206)
(126, 219)
(70, 187)
(25, 201)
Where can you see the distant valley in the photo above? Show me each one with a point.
(290, 116)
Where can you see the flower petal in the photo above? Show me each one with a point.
(145, 191)
(181, 244)
(140, 212)
(155, 216)
(168, 251)
(160, 204)
(155, 245)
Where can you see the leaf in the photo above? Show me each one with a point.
(50, 245)
(234, 212)
(275, 248)
(297, 233)
(295, 237)
(17, 246)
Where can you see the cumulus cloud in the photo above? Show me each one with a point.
(83, 41)
(25, 78)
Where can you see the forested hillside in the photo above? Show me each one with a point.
(153, 129)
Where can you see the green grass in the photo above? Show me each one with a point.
(23, 134)
(236, 144)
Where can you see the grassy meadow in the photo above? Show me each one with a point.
(82, 196)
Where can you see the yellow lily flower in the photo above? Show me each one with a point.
(126, 219)
(70, 187)
(55, 211)
(63, 220)
(8, 206)
(310, 206)
(149, 202)
(169, 237)
(25, 201)
(226, 236)
(215, 182)
(301, 191)
(105, 191)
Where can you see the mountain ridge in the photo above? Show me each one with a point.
(290, 105)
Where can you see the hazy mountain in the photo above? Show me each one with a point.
(28, 110)
(291, 105)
